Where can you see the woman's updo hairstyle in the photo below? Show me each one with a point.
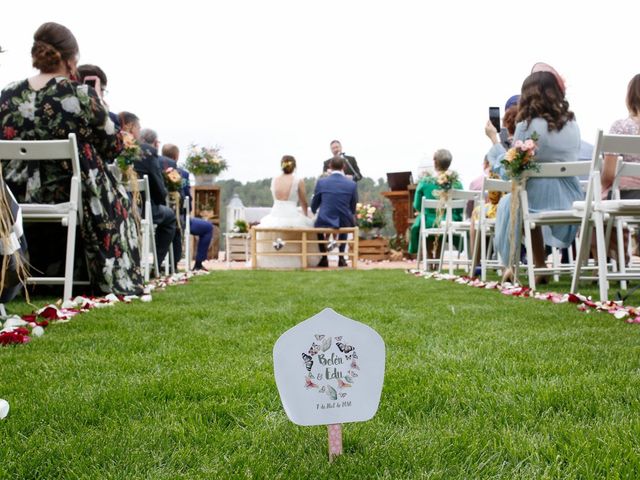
(288, 164)
(53, 44)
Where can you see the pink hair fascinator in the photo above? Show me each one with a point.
(545, 67)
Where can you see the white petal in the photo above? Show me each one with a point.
(4, 408)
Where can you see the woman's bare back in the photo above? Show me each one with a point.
(282, 186)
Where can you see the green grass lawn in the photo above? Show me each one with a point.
(477, 385)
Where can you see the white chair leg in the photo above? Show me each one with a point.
(71, 248)
(555, 261)
(450, 241)
(154, 250)
(529, 248)
(423, 242)
(622, 267)
(144, 253)
(582, 254)
(483, 254)
(187, 246)
(602, 257)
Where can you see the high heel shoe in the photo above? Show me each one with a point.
(507, 276)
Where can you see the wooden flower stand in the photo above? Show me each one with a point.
(376, 249)
(237, 247)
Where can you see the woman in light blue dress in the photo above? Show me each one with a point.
(543, 109)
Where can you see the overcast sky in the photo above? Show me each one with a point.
(394, 81)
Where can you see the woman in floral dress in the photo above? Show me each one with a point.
(49, 106)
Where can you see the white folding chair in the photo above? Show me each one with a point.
(548, 217)
(67, 213)
(187, 233)
(462, 228)
(148, 246)
(169, 259)
(440, 230)
(486, 227)
(594, 211)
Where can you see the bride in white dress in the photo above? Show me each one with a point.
(287, 190)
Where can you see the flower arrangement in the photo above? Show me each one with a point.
(446, 180)
(370, 215)
(129, 153)
(172, 179)
(205, 161)
(521, 157)
(240, 226)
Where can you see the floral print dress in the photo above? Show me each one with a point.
(109, 233)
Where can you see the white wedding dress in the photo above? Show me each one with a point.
(284, 213)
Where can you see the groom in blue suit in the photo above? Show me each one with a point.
(336, 196)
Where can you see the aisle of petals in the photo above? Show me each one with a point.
(584, 304)
(19, 330)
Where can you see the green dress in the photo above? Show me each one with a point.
(427, 188)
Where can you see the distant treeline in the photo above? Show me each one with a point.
(258, 194)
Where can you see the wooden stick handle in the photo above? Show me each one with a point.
(335, 440)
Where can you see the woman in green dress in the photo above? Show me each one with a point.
(428, 188)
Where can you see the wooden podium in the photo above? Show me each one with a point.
(402, 204)
(206, 205)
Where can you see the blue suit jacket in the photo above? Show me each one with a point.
(336, 196)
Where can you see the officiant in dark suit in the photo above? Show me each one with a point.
(350, 165)
(335, 197)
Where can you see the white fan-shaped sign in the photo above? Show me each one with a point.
(329, 369)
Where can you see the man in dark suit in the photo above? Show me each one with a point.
(336, 196)
(163, 217)
(350, 165)
(198, 227)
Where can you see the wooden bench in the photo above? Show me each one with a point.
(304, 237)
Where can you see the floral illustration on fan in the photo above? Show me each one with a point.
(331, 366)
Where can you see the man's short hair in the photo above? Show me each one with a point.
(149, 136)
(171, 151)
(336, 164)
(442, 159)
(92, 71)
(335, 141)
(127, 117)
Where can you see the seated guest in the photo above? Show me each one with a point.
(199, 227)
(13, 246)
(428, 188)
(130, 123)
(51, 106)
(164, 218)
(543, 109)
(629, 186)
(150, 137)
(476, 183)
(490, 208)
(93, 75)
(335, 200)
(502, 141)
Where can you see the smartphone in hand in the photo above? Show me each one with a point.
(494, 117)
(94, 82)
